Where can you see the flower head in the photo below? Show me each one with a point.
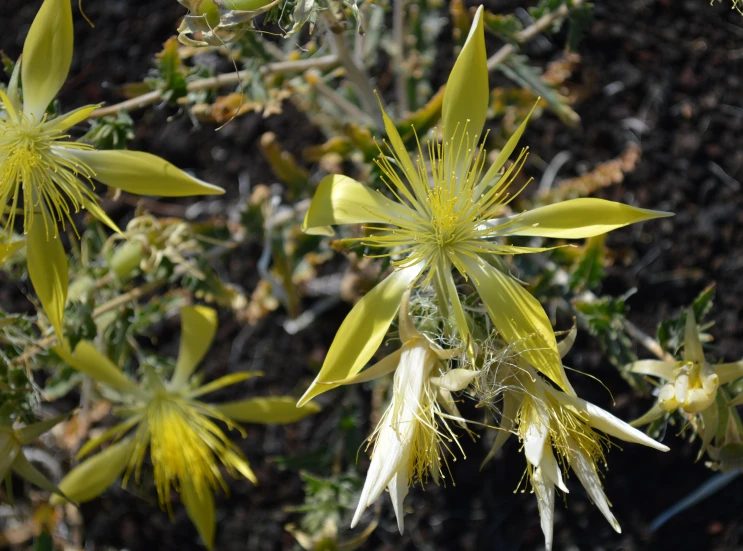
(691, 384)
(445, 212)
(44, 176)
(187, 446)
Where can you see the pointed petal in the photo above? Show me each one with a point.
(91, 477)
(95, 209)
(467, 92)
(269, 410)
(143, 174)
(398, 490)
(70, 119)
(198, 327)
(342, 200)
(550, 469)
(13, 96)
(535, 436)
(693, 351)
(29, 433)
(199, 504)
(611, 425)
(545, 492)
(88, 360)
(455, 380)
(503, 156)
(401, 153)
(221, 382)
(578, 218)
(511, 404)
(729, 372)
(655, 412)
(47, 56)
(48, 269)
(655, 368)
(23, 468)
(519, 318)
(386, 365)
(362, 331)
(588, 476)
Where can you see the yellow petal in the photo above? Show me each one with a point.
(91, 477)
(655, 412)
(47, 56)
(198, 327)
(401, 153)
(386, 365)
(504, 155)
(729, 372)
(519, 318)
(362, 331)
(25, 469)
(227, 380)
(342, 200)
(656, 368)
(86, 359)
(269, 410)
(693, 351)
(94, 208)
(467, 92)
(143, 174)
(579, 218)
(47, 267)
(9, 249)
(71, 119)
(199, 504)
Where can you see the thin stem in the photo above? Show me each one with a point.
(356, 74)
(398, 35)
(227, 79)
(539, 26)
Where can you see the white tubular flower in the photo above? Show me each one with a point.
(549, 418)
(412, 431)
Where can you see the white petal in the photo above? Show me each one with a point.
(551, 470)
(398, 490)
(545, 492)
(590, 479)
(536, 433)
(611, 425)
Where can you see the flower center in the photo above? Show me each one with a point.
(39, 174)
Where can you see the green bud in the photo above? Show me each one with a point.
(126, 258)
(241, 5)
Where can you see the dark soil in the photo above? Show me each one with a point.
(674, 67)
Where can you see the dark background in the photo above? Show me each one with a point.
(678, 68)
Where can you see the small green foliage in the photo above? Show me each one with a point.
(670, 331)
(169, 75)
(604, 318)
(326, 499)
(579, 19)
(112, 132)
(589, 271)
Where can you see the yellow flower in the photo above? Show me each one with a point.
(691, 384)
(11, 454)
(47, 178)
(180, 430)
(409, 438)
(443, 215)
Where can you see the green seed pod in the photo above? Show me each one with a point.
(127, 257)
(207, 8)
